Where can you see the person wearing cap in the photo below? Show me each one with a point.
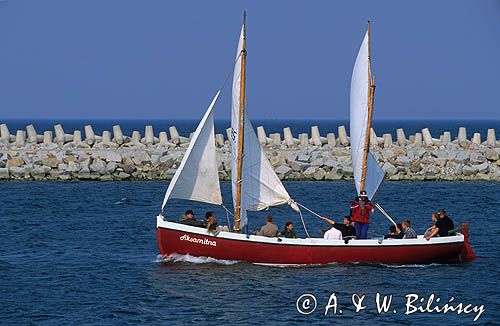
(188, 219)
(360, 214)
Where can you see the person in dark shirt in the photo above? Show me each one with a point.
(392, 233)
(449, 223)
(188, 219)
(399, 231)
(288, 232)
(346, 228)
(444, 225)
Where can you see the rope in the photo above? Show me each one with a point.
(227, 210)
(228, 221)
(302, 218)
(309, 210)
(227, 216)
(229, 73)
(304, 224)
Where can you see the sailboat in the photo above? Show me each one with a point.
(255, 187)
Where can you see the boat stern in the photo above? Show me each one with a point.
(467, 252)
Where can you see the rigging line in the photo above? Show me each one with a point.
(304, 224)
(228, 220)
(227, 216)
(309, 210)
(229, 73)
(227, 210)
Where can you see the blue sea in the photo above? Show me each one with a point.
(436, 127)
(85, 253)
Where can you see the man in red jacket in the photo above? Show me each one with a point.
(360, 214)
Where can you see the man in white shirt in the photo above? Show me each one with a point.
(333, 234)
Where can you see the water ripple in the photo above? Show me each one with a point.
(85, 253)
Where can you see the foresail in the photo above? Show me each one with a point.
(197, 176)
(261, 187)
(358, 124)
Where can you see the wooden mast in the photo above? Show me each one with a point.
(371, 93)
(241, 130)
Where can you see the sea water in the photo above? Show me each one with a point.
(86, 253)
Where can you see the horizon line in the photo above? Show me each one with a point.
(254, 119)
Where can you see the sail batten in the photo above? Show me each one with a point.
(197, 177)
(367, 173)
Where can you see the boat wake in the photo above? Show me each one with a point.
(412, 265)
(177, 258)
(297, 265)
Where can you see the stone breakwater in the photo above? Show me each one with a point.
(28, 155)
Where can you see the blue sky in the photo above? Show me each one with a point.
(166, 59)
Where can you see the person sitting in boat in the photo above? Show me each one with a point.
(392, 233)
(333, 234)
(269, 229)
(288, 232)
(431, 228)
(346, 228)
(360, 214)
(409, 233)
(211, 222)
(399, 231)
(188, 219)
(450, 226)
(444, 226)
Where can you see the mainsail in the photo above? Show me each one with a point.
(260, 186)
(197, 177)
(360, 88)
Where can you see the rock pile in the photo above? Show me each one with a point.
(61, 156)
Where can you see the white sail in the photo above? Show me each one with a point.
(374, 176)
(358, 124)
(261, 188)
(197, 177)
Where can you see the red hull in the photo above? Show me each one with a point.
(171, 240)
